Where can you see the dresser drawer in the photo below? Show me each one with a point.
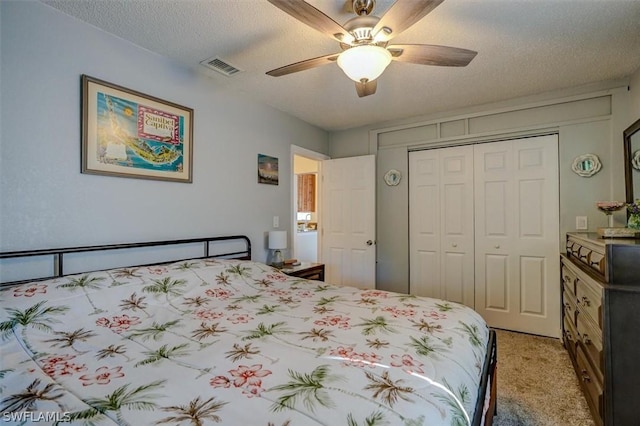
(591, 385)
(589, 300)
(591, 340)
(570, 337)
(590, 255)
(569, 305)
(597, 262)
(568, 279)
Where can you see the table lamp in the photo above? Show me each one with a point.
(277, 242)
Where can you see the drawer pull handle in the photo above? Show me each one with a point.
(454, 245)
(585, 301)
(585, 376)
(585, 339)
(497, 246)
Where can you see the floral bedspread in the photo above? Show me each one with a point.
(235, 343)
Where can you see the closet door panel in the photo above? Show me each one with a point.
(518, 218)
(425, 274)
(455, 276)
(454, 222)
(425, 277)
(496, 195)
(427, 211)
(457, 219)
(441, 224)
(495, 271)
(424, 217)
(531, 208)
(493, 193)
(532, 285)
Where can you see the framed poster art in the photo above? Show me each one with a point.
(129, 134)
(267, 169)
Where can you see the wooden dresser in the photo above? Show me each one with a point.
(601, 323)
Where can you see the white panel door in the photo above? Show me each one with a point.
(441, 224)
(516, 228)
(348, 221)
(424, 224)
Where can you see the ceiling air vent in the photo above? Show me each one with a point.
(220, 66)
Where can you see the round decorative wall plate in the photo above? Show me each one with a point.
(392, 177)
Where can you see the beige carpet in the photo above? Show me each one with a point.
(537, 385)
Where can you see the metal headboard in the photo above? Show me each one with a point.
(58, 253)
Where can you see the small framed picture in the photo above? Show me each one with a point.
(267, 169)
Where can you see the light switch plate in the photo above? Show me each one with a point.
(276, 221)
(581, 223)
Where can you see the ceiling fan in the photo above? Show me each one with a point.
(364, 40)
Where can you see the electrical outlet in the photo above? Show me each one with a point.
(581, 222)
(276, 221)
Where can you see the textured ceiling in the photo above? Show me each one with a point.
(524, 47)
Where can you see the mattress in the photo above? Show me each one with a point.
(233, 342)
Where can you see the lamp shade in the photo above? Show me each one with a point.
(277, 240)
(366, 62)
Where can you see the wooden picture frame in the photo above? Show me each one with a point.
(126, 133)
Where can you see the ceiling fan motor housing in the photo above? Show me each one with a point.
(360, 27)
(363, 7)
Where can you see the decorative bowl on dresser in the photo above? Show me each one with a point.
(601, 323)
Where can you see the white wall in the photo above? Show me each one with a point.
(634, 88)
(47, 202)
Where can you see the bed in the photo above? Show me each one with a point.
(219, 338)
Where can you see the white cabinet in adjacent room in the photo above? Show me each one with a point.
(307, 246)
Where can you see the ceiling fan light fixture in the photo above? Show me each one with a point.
(364, 63)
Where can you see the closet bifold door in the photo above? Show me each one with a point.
(441, 223)
(516, 234)
(484, 230)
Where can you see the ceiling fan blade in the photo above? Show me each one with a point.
(314, 18)
(304, 65)
(427, 54)
(366, 89)
(400, 16)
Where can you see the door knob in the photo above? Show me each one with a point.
(497, 246)
(454, 245)
(369, 242)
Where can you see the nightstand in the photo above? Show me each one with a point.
(307, 270)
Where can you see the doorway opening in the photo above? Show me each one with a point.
(306, 214)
